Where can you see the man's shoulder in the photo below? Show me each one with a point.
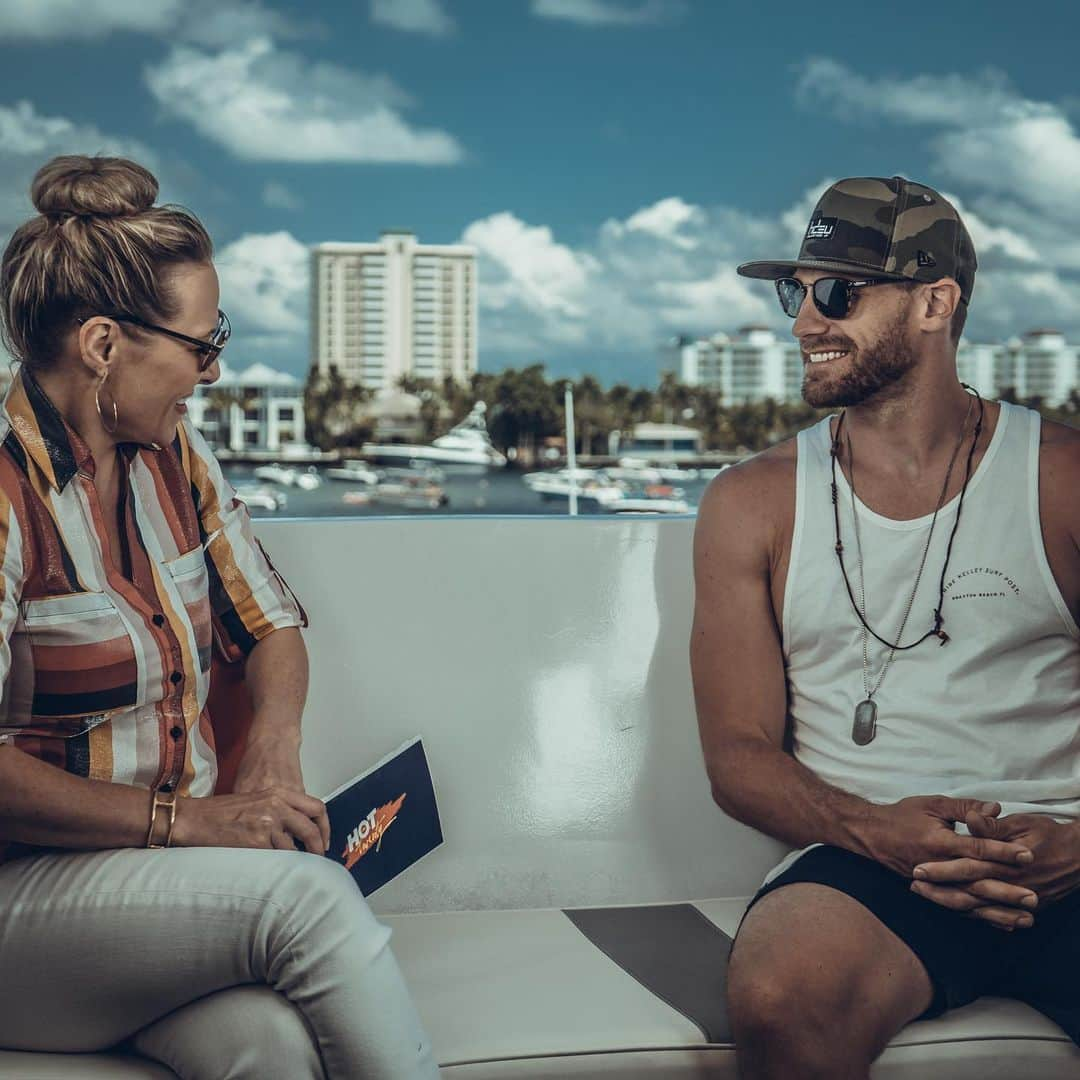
(1059, 438)
(758, 474)
(1059, 457)
(1059, 477)
(756, 496)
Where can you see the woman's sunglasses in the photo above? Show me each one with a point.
(833, 297)
(208, 347)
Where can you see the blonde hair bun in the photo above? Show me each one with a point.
(93, 186)
(97, 244)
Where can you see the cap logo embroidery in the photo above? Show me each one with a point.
(926, 259)
(821, 228)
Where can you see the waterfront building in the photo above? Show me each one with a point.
(254, 409)
(755, 364)
(392, 308)
(749, 366)
(659, 442)
(1040, 364)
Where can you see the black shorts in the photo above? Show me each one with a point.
(966, 958)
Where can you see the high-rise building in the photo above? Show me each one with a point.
(393, 308)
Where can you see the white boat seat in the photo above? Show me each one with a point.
(569, 775)
(526, 994)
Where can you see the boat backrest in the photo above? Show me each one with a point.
(544, 661)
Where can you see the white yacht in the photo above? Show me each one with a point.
(288, 475)
(466, 444)
(641, 470)
(592, 485)
(356, 472)
(262, 496)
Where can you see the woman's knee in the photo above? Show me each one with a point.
(242, 1033)
(320, 906)
(294, 881)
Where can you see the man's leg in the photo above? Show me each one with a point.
(818, 986)
(1045, 965)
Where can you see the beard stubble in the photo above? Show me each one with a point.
(869, 371)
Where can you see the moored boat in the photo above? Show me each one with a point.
(355, 472)
(466, 444)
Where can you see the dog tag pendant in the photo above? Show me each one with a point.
(865, 722)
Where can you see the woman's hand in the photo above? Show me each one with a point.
(982, 889)
(275, 817)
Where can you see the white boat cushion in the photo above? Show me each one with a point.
(525, 994)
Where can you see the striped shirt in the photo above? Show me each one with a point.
(104, 668)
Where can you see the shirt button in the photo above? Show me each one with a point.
(175, 677)
(176, 732)
(159, 620)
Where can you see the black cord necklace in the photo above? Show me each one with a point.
(866, 711)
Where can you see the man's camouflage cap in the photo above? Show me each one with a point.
(888, 228)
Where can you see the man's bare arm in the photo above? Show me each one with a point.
(738, 671)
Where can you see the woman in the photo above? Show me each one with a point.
(124, 559)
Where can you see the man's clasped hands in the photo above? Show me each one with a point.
(1002, 873)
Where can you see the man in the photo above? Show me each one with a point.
(902, 580)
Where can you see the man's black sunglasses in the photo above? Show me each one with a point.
(209, 347)
(833, 296)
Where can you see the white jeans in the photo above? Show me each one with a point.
(217, 962)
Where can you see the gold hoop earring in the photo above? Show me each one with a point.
(97, 402)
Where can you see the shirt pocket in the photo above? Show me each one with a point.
(191, 579)
(84, 665)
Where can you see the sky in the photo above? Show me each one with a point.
(612, 161)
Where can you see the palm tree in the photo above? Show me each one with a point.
(332, 411)
(590, 412)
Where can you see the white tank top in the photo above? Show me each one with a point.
(995, 713)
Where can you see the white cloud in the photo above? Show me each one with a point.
(1015, 163)
(208, 22)
(280, 197)
(701, 303)
(530, 267)
(1031, 152)
(926, 99)
(1008, 303)
(609, 12)
(29, 138)
(49, 19)
(265, 104)
(219, 24)
(264, 285)
(990, 238)
(414, 16)
(993, 138)
(665, 220)
(667, 268)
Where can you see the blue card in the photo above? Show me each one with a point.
(386, 819)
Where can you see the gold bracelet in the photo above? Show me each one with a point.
(172, 820)
(158, 802)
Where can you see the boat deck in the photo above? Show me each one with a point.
(544, 661)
